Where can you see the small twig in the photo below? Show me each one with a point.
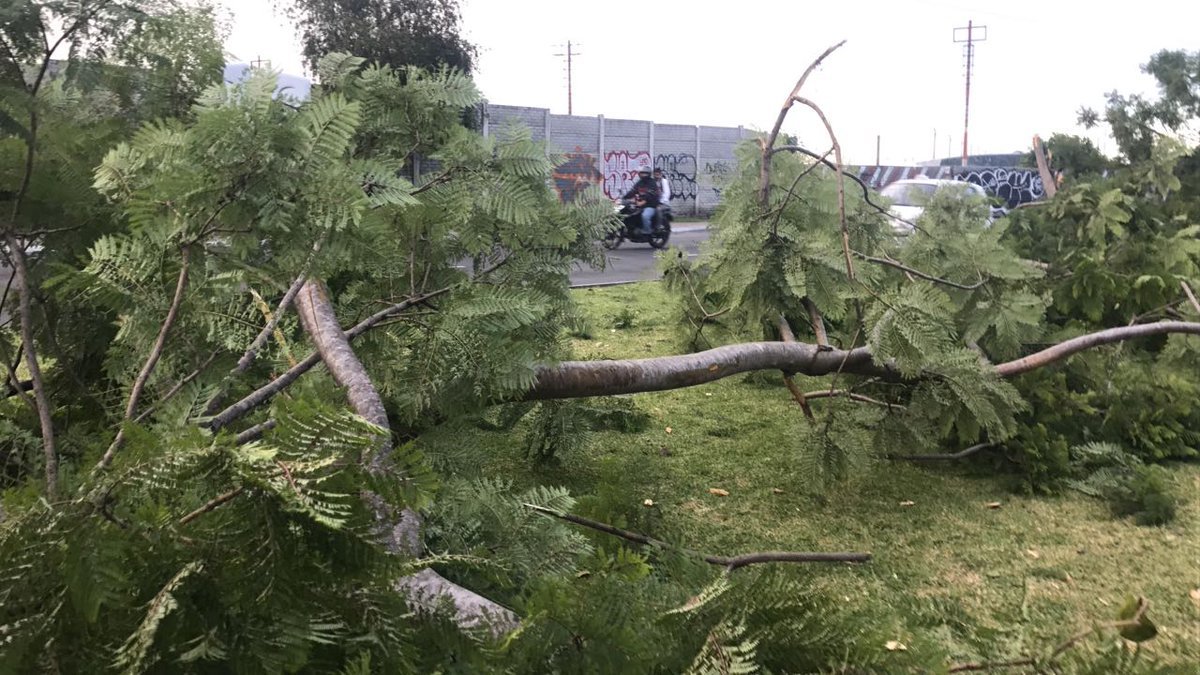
(944, 456)
(791, 193)
(1135, 621)
(730, 563)
(255, 432)
(825, 393)
(785, 331)
(866, 190)
(1191, 296)
(916, 273)
(215, 503)
(178, 386)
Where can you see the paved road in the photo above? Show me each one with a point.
(636, 262)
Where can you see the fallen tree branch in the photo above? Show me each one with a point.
(1084, 342)
(426, 589)
(936, 457)
(888, 262)
(582, 379)
(729, 562)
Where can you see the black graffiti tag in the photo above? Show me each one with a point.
(680, 170)
(1013, 186)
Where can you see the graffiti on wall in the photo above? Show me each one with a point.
(680, 170)
(621, 169)
(577, 172)
(1013, 186)
(718, 174)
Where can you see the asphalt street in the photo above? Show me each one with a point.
(636, 262)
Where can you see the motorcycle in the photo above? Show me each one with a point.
(631, 226)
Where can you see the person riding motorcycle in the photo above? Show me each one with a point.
(645, 195)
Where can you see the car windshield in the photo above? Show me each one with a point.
(909, 194)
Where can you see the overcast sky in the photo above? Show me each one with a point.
(900, 74)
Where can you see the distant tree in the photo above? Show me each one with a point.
(1136, 121)
(423, 33)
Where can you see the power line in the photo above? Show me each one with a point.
(969, 50)
(569, 54)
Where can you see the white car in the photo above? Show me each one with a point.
(909, 197)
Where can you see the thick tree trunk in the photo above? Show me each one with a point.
(425, 589)
(582, 379)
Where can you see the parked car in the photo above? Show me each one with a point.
(909, 197)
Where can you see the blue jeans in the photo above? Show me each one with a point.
(647, 219)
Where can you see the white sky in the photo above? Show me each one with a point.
(900, 74)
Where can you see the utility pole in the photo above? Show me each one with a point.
(569, 54)
(971, 39)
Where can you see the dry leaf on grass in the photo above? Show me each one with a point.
(777, 491)
(718, 492)
(648, 502)
(669, 430)
(907, 502)
(896, 646)
(1194, 594)
(993, 505)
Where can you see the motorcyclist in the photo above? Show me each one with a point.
(644, 194)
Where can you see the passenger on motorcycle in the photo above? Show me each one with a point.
(664, 194)
(645, 195)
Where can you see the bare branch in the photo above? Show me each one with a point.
(25, 311)
(1091, 340)
(949, 456)
(156, 352)
(215, 503)
(730, 563)
(916, 273)
(841, 183)
(764, 180)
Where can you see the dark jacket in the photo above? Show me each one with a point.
(644, 189)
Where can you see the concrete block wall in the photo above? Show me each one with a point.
(608, 152)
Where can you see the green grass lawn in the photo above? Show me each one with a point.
(988, 582)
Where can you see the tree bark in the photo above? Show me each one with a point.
(582, 379)
(21, 273)
(425, 589)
